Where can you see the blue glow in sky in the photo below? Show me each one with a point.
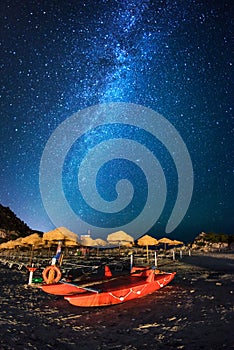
(174, 57)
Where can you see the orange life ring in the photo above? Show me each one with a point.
(51, 274)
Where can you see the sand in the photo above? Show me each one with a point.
(195, 311)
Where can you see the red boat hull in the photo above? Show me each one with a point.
(121, 289)
(61, 288)
(66, 288)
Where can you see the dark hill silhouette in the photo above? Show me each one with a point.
(11, 227)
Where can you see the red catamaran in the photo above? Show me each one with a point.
(112, 290)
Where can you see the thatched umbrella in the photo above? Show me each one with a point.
(71, 244)
(18, 241)
(166, 241)
(8, 245)
(86, 242)
(33, 240)
(11, 244)
(120, 238)
(2, 245)
(90, 242)
(101, 242)
(18, 244)
(175, 242)
(147, 241)
(54, 235)
(60, 234)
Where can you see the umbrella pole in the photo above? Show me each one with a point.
(61, 260)
(173, 254)
(147, 253)
(155, 259)
(31, 256)
(131, 262)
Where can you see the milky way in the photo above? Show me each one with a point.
(173, 57)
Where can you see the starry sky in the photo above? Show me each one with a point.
(173, 57)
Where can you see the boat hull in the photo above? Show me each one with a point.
(66, 288)
(121, 290)
(61, 288)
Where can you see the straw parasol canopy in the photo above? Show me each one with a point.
(18, 241)
(32, 240)
(175, 242)
(166, 241)
(71, 244)
(8, 245)
(2, 245)
(120, 238)
(60, 234)
(147, 241)
(96, 243)
(101, 242)
(88, 242)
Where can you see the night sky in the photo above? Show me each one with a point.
(172, 57)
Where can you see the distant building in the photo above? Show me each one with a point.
(87, 235)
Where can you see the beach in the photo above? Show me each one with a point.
(195, 311)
